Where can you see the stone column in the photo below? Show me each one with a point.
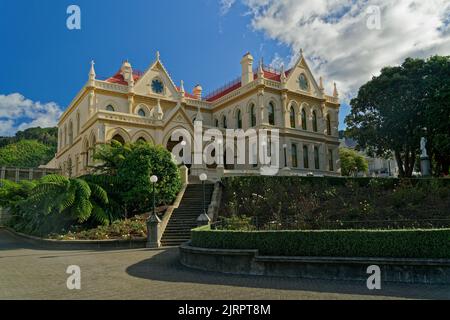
(153, 232)
(184, 174)
(285, 112)
(260, 116)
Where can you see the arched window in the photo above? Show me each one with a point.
(70, 132)
(271, 114)
(330, 160)
(294, 155)
(224, 122)
(328, 125)
(86, 155)
(110, 108)
(292, 117)
(305, 157)
(314, 121)
(239, 119)
(316, 158)
(141, 113)
(65, 135)
(216, 123)
(141, 140)
(252, 116)
(78, 123)
(119, 139)
(304, 126)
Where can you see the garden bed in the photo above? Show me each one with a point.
(312, 203)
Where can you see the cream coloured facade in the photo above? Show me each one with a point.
(132, 106)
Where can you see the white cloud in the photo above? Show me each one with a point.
(225, 6)
(339, 45)
(19, 113)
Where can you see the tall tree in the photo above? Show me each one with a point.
(437, 112)
(389, 114)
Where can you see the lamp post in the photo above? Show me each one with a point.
(154, 180)
(203, 219)
(153, 232)
(203, 178)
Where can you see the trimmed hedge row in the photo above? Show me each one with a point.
(431, 244)
(342, 181)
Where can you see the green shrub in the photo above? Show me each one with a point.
(344, 243)
(55, 202)
(238, 223)
(317, 203)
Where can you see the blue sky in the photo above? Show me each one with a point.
(201, 41)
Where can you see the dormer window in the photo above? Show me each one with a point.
(110, 108)
(157, 86)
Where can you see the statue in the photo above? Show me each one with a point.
(425, 163)
(423, 147)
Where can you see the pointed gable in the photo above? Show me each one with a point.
(297, 76)
(157, 82)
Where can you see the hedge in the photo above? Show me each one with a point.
(432, 244)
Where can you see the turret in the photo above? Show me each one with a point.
(92, 74)
(247, 69)
(198, 91)
(127, 72)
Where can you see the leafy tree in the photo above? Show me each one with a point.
(352, 162)
(394, 110)
(26, 153)
(132, 165)
(437, 111)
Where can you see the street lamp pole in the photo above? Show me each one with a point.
(203, 219)
(203, 178)
(154, 180)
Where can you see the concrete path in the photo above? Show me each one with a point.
(27, 272)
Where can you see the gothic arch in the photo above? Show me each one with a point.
(143, 106)
(118, 131)
(141, 134)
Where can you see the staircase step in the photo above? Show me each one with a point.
(184, 218)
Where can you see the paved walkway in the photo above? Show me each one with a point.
(28, 272)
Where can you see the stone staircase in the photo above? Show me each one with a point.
(184, 218)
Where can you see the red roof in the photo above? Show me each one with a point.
(118, 78)
(269, 74)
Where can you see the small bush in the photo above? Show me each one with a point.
(432, 244)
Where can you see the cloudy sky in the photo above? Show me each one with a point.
(202, 41)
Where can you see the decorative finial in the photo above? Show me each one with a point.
(321, 84)
(335, 92)
(182, 86)
(283, 74)
(301, 52)
(157, 55)
(92, 71)
(260, 70)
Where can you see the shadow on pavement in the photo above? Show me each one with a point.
(165, 266)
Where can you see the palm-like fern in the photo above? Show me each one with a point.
(64, 199)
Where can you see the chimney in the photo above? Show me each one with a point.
(198, 91)
(247, 69)
(127, 72)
